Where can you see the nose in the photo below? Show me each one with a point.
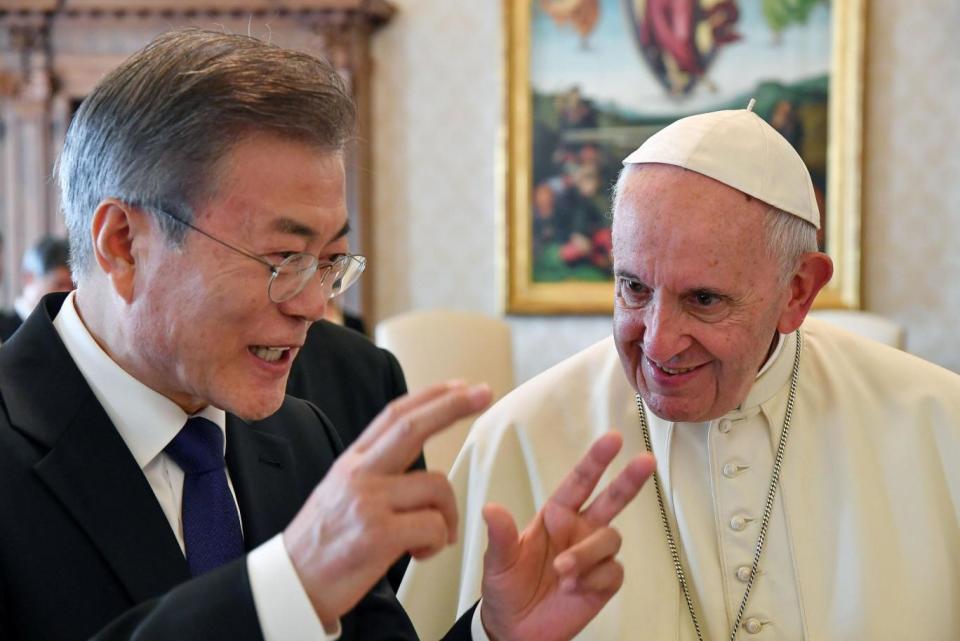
(310, 303)
(665, 334)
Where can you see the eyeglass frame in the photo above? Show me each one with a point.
(276, 270)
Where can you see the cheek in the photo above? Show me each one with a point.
(627, 325)
(628, 328)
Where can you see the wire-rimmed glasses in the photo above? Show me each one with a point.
(291, 276)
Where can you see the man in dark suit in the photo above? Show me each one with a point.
(157, 482)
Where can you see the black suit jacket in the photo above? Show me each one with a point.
(9, 323)
(348, 377)
(83, 541)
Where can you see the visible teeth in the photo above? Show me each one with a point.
(669, 370)
(269, 354)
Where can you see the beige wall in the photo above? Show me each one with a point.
(912, 173)
(438, 111)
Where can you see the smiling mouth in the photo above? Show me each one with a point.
(269, 354)
(673, 371)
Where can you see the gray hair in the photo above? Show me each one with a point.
(789, 237)
(153, 131)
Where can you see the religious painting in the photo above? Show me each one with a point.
(590, 80)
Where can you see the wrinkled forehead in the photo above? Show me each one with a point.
(272, 184)
(663, 179)
(666, 205)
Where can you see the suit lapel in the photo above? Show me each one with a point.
(263, 475)
(95, 477)
(87, 467)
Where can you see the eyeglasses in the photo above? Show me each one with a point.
(291, 276)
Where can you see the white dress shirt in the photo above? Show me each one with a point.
(147, 421)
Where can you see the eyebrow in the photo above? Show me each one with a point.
(343, 232)
(290, 226)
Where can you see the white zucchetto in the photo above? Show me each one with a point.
(738, 148)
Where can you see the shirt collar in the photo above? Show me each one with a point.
(146, 420)
(774, 374)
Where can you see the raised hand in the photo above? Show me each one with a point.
(366, 512)
(549, 581)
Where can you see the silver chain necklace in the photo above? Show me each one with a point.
(767, 508)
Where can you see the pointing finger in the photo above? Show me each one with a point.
(577, 486)
(621, 490)
(400, 407)
(400, 442)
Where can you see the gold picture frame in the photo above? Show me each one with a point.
(525, 294)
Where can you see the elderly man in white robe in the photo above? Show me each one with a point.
(808, 481)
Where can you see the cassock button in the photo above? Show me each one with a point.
(730, 470)
(743, 573)
(752, 625)
(724, 426)
(737, 523)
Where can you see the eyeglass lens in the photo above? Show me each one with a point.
(292, 275)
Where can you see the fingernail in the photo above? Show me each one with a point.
(479, 393)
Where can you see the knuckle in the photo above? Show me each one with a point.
(581, 475)
(406, 428)
(616, 492)
(616, 540)
(392, 412)
(437, 528)
(618, 575)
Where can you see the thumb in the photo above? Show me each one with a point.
(503, 546)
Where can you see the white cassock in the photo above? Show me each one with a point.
(864, 539)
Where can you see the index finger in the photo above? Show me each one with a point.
(401, 440)
(621, 490)
(398, 408)
(577, 486)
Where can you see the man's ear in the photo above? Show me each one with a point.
(114, 230)
(813, 273)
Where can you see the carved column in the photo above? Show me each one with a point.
(25, 86)
(346, 43)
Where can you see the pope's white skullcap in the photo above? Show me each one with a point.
(739, 149)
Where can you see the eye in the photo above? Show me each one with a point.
(708, 306)
(706, 299)
(633, 293)
(276, 258)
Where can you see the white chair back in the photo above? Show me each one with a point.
(437, 345)
(867, 324)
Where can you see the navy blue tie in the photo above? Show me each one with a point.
(211, 525)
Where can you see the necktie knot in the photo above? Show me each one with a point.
(198, 447)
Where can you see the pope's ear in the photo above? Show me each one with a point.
(113, 231)
(813, 272)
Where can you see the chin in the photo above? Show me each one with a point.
(255, 405)
(674, 410)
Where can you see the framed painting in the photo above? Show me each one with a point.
(589, 80)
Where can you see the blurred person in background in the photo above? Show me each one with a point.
(45, 270)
